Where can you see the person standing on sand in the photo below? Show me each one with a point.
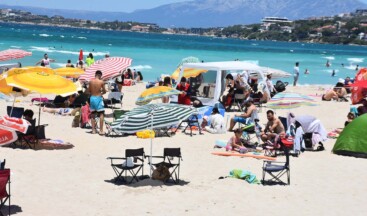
(296, 74)
(45, 61)
(97, 89)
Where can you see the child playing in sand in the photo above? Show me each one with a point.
(235, 144)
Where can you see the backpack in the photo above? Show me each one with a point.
(161, 173)
(280, 86)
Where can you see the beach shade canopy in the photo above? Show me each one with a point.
(358, 92)
(311, 124)
(353, 139)
(188, 72)
(42, 83)
(285, 100)
(69, 72)
(7, 137)
(10, 54)
(110, 67)
(152, 116)
(15, 124)
(155, 93)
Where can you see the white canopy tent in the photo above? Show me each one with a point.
(221, 69)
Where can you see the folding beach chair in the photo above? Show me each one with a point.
(4, 193)
(171, 159)
(2, 164)
(16, 112)
(121, 168)
(238, 101)
(276, 170)
(33, 135)
(114, 98)
(192, 121)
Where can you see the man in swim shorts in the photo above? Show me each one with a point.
(97, 89)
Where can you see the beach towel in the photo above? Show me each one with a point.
(42, 99)
(245, 175)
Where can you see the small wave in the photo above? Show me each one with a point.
(141, 67)
(58, 65)
(355, 60)
(109, 44)
(45, 35)
(329, 57)
(330, 71)
(255, 44)
(62, 36)
(17, 47)
(84, 38)
(350, 67)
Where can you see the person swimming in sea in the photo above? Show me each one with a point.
(45, 61)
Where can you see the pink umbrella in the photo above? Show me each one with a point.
(7, 137)
(14, 124)
(110, 68)
(81, 55)
(13, 54)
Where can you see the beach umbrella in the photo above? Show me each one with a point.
(188, 72)
(152, 116)
(190, 59)
(43, 83)
(358, 92)
(7, 137)
(10, 54)
(81, 55)
(15, 124)
(110, 68)
(155, 93)
(69, 72)
(361, 84)
(285, 100)
(29, 69)
(275, 73)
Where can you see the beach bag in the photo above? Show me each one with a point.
(307, 138)
(280, 86)
(161, 173)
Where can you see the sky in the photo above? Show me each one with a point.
(92, 5)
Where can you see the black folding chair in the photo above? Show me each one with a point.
(172, 160)
(2, 164)
(121, 168)
(276, 170)
(33, 135)
(4, 193)
(16, 112)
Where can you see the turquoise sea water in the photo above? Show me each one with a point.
(154, 54)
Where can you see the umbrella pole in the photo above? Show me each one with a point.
(151, 147)
(11, 111)
(39, 112)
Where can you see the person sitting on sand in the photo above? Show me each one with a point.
(273, 128)
(234, 143)
(59, 111)
(245, 117)
(362, 109)
(350, 118)
(97, 89)
(216, 121)
(330, 95)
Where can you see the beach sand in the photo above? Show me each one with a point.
(77, 181)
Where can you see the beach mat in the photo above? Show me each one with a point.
(243, 155)
(53, 145)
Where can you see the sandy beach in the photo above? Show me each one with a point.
(77, 181)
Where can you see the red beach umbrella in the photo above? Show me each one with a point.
(110, 68)
(358, 90)
(10, 54)
(14, 124)
(7, 137)
(81, 55)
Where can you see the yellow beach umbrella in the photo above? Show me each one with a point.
(188, 72)
(38, 69)
(43, 83)
(155, 93)
(69, 72)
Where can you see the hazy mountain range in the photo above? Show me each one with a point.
(213, 13)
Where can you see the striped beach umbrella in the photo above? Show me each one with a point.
(152, 116)
(289, 101)
(110, 67)
(155, 93)
(7, 136)
(10, 54)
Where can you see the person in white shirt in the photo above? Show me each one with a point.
(216, 122)
(296, 74)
